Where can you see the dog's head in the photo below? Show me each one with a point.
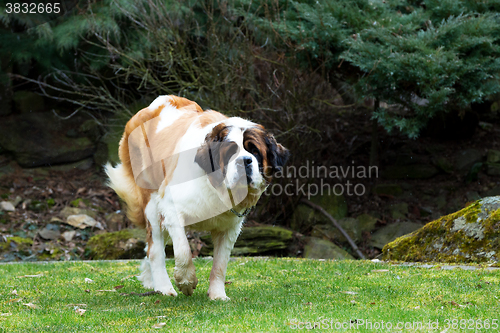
(238, 154)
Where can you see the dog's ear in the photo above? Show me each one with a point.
(214, 155)
(277, 155)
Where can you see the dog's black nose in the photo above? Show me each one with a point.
(247, 160)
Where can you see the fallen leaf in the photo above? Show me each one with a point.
(55, 219)
(228, 282)
(353, 301)
(119, 287)
(456, 304)
(372, 303)
(31, 305)
(77, 305)
(87, 290)
(107, 290)
(159, 325)
(14, 300)
(81, 312)
(128, 277)
(308, 303)
(5, 314)
(349, 292)
(87, 280)
(14, 292)
(30, 276)
(380, 270)
(157, 301)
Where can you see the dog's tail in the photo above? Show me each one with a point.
(123, 183)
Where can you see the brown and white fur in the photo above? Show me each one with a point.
(182, 167)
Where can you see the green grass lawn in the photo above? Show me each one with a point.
(266, 295)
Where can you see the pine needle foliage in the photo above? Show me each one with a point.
(425, 57)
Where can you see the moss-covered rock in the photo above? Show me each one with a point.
(123, 244)
(255, 240)
(17, 243)
(469, 235)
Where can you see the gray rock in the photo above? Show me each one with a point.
(7, 206)
(81, 221)
(101, 155)
(493, 169)
(329, 231)
(67, 211)
(27, 102)
(68, 235)
(440, 201)
(443, 164)
(49, 234)
(255, 240)
(304, 216)
(493, 156)
(317, 248)
(472, 196)
(367, 222)
(388, 189)
(468, 235)
(399, 210)
(392, 231)
(17, 201)
(46, 143)
(492, 192)
(465, 159)
(416, 171)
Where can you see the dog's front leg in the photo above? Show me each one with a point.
(223, 244)
(185, 272)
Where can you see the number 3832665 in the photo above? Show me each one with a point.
(32, 8)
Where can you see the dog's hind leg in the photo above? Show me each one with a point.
(154, 274)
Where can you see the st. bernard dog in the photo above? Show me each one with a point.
(182, 167)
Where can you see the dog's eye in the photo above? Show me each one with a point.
(256, 153)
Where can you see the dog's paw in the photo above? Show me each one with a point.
(187, 287)
(218, 297)
(186, 280)
(167, 291)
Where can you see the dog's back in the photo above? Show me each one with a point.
(165, 111)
